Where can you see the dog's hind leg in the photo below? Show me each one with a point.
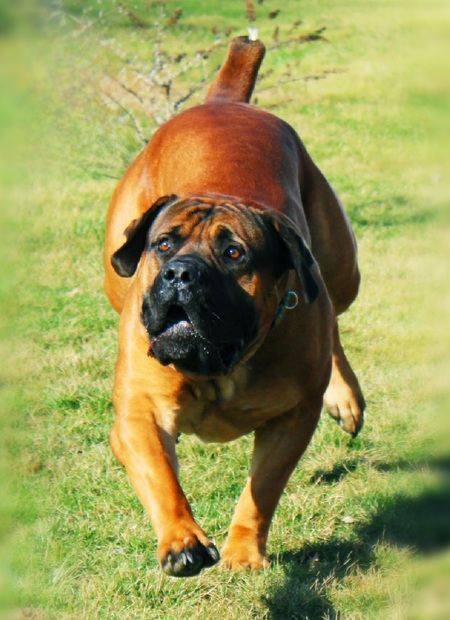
(334, 247)
(343, 398)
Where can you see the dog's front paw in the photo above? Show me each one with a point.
(187, 557)
(242, 551)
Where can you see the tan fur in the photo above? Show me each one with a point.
(228, 152)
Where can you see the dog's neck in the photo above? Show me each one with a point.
(221, 389)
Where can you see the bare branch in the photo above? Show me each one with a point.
(250, 11)
(130, 115)
(134, 17)
(150, 88)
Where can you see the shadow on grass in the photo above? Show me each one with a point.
(386, 214)
(440, 465)
(421, 524)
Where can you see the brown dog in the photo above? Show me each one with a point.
(228, 256)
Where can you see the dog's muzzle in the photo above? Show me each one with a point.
(197, 318)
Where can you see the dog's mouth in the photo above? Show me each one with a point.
(176, 319)
(180, 342)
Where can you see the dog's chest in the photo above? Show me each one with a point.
(205, 409)
(224, 409)
(217, 391)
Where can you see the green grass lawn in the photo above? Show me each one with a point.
(362, 530)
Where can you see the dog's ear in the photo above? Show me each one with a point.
(125, 260)
(297, 255)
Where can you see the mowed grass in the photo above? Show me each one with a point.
(362, 529)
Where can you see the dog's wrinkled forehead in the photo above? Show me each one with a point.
(193, 218)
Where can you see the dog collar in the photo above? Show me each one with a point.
(289, 302)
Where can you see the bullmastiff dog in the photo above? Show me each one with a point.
(228, 256)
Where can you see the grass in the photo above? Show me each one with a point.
(362, 529)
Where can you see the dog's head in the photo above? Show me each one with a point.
(210, 273)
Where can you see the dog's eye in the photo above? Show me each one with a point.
(234, 253)
(164, 245)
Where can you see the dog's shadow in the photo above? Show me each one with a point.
(419, 523)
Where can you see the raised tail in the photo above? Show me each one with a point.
(237, 76)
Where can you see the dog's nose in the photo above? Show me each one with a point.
(181, 273)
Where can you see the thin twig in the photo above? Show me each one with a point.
(130, 115)
(134, 17)
(301, 78)
(250, 10)
(302, 39)
(161, 86)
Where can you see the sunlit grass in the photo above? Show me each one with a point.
(358, 516)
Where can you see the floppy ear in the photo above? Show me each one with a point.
(298, 256)
(125, 260)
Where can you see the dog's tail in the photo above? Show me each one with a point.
(237, 76)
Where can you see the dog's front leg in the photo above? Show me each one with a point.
(278, 447)
(148, 454)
